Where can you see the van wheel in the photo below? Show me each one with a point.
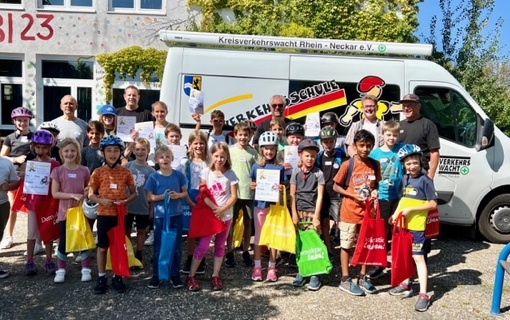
(494, 222)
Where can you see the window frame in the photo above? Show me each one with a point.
(66, 7)
(13, 6)
(5, 80)
(137, 8)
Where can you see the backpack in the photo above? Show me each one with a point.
(373, 164)
(339, 155)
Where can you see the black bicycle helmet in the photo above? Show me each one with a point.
(293, 128)
(308, 144)
(329, 117)
(328, 132)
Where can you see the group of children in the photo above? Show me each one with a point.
(324, 189)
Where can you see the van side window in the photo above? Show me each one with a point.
(453, 116)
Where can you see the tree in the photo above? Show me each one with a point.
(472, 57)
(381, 20)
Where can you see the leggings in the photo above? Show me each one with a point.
(219, 243)
(259, 219)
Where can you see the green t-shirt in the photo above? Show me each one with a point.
(242, 161)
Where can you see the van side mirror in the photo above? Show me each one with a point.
(485, 134)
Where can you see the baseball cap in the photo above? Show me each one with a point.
(410, 98)
(107, 109)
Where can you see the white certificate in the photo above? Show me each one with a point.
(313, 125)
(179, 153)
(291, 156)
(196, 101)
(125, 126)
(268, 182)
(146, 130)
(37, 178)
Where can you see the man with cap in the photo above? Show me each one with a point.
(415, 129)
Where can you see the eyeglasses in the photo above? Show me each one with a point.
(368, 106)
(277, 105)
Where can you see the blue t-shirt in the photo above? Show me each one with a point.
(391, 172)
(158, 184)
(253, 176)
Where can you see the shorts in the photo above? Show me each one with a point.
(348, 234)
(142, 221)
(419, 248)
(105, 224)
(247, 206)
(388, 208)
(330, 209)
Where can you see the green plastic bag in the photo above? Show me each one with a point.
(311, 254)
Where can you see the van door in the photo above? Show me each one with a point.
(461, 166)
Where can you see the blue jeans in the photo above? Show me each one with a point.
(175, 224)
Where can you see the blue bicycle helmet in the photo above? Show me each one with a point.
(293, 128)
(21, 112)
(43, 137)
(407, 150)
(308, 144)
(268, 138)
(111, 141)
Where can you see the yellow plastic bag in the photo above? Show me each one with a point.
(133, 262)
(278, 231)
(238, 230)
(79, 236)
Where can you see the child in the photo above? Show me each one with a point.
(166, 180)
(173, 136)
(16, 148)
(419, 197)
(222, 182)
(295, 133)
(391, 178)
(242, 157)
(198, 159)
(68, 184)
(55, 151)
(91, 156)
(138, 209)
(362, 184)
(331, 119)
(10, 181)
(159, 112)
(216, 134)
(42, 141)
(329, 160)
(268, 147)
(277, 126)
(108, 187)
(108, 119)
(306, 194)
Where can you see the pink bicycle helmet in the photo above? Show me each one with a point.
(21, 112)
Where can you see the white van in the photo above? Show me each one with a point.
(473, 178)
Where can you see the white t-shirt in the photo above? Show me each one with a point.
(219, 186)
(372, 127)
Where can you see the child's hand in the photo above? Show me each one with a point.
(287, 166)
(359, 198)
(120, 202)
(196, 117)
(317, 225)
(78, 197)
(282, 187)
(174, 195)
(219, 212)
(134, 135)
(253, 185)
(106, 202)
(374, 194)
(295, 220)
(20, 159)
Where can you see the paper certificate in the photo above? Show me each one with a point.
(291, 156)
(196, 101)
(313, 125)
(125, 126)
(146, 130)
(37, 178)
(179, 153)
(268, 182)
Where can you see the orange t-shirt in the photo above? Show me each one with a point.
(363, 181)
(111, 183)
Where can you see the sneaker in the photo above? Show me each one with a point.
(60, 276)
(177, 282)
(201, 267)
(101, 285)
(192, 283)
(401, 290)
(216, 284)
(38, 249)
(30, 268)
(86, 275)
(118, 284)
(423, 303)
(247, 259)
(314, 284)
(229, 260)
(375, 273)
(4, 274)
(256, 274)
(351, 288)
(154, 283)
(272, 275)
(187, 265)
(6, 243)
(299, 281)
(150, 239)
(50, 267)
(367, 286)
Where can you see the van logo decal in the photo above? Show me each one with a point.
(454, 165)
(192, 82)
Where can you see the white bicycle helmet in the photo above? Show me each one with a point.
(268, 138)
(90, 209)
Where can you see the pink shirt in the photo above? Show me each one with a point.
(70, 181)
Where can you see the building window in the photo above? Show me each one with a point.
(68, 69)
(64, 4)
(11, 4)
(11, 88)
(147, 97)
(121, 5)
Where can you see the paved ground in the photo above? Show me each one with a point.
(461, 280)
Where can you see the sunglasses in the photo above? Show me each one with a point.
(277, 105)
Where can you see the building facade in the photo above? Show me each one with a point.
(48, 49)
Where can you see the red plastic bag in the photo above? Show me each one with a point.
(118, 247)
(19, 200)
(432, 226)
(371, 245)
(203, 222)
(47, 220)
(402, 263)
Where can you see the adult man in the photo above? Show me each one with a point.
(69, 125)
(421, 131)
(369, 122)
(132, 109)
(277, 105)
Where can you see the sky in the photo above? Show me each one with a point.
(429, 8)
